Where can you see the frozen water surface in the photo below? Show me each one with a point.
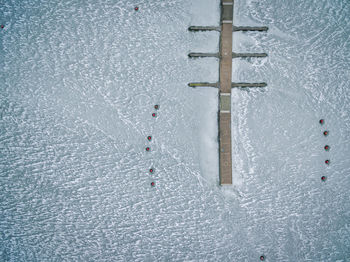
(78, 83)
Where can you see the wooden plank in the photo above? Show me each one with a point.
(263, 84)
(195, 55)
(234, 55)
(250, 28)
(227, 12)
(203, 84)
(204, 28)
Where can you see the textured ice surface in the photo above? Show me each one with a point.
(278, 143)
(78, 83)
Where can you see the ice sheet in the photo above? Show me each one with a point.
(78, 85)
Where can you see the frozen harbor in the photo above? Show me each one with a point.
(79, 80)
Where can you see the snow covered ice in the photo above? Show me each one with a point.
(78, 83)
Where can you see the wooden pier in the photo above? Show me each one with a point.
(225, 146)
(225, 82)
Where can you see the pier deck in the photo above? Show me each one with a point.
(225, 83)
(225, 56)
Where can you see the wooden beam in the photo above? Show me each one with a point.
(194, 55)
(204, 28)
(263, 84)
(234, 55)
(203, 84)
(250, 28)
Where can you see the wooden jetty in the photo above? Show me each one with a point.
(225, 82)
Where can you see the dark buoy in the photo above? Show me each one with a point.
(153, 184)
(149, 138)
(156, 107)
(154, 114)
(327, 162)
(321, 121)
(151, 170)
(136, 8)
(326, 147)
(2, 26)
(147, 149)
(325, 133)
(262, 258)
(323, 178)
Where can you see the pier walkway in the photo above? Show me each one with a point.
(225, 84)
(225, 75)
